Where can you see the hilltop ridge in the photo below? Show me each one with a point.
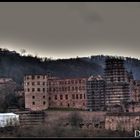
(15, 65)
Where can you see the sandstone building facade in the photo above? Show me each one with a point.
(44, 91)
(67, 93)
(36, 95)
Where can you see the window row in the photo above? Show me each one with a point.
(33, 89)
(69, 82)
(33, 97)
(61, 82)
(66, 97)
(33, 103)
(39, 83)
(35, 76)
(57, 89)
(35, 83)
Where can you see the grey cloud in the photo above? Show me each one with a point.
(93, 17)
(89, 14)
(67, 29)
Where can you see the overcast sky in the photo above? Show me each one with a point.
(63, 30)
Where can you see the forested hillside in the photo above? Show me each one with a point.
(15, 65)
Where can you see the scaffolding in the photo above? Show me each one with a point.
(95, 94)
(117, 82)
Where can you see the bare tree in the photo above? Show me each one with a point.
(23, 51)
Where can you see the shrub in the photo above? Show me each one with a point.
(75, 119)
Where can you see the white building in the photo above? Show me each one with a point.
(9, 119)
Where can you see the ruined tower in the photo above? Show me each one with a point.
(117, 82)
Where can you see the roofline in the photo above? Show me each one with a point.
(34, 74)
(58, 78)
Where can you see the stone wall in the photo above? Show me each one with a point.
(27, 118)
(95, 120)
(122, 121)
(62, 118)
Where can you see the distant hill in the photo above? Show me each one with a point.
(14, 65)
